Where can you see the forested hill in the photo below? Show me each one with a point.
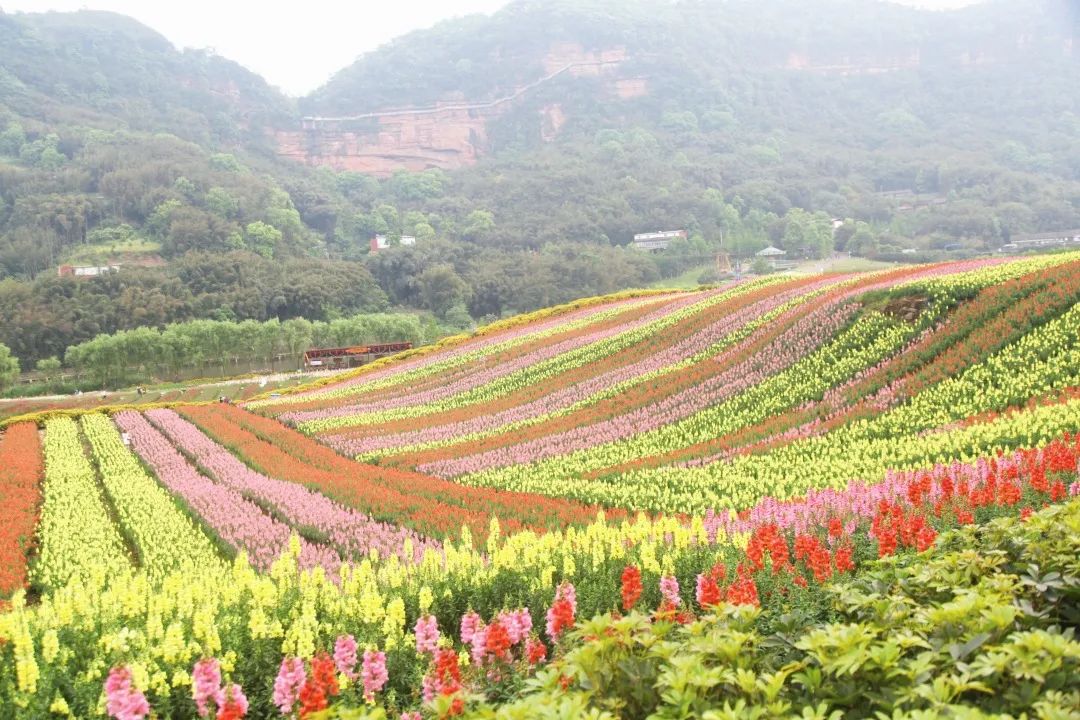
(712, 41)
(101, 69)
(754, 122)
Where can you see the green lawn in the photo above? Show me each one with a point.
(686, 281)
(91, 253)
(167, 392)
(843, 265)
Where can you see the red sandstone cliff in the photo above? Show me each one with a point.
(447, 136)
(445, 139)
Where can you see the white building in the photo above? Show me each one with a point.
(381, 242)
(776, 258)
(82, 271)
(1046, 239)
(654, 241)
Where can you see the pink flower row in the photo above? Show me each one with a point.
(809, 333)
(479, 375)
(236, 520)
(455, 373)
(352, 532)
(567, 396)
(472, 346)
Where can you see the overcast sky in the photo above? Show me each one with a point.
(294, 45)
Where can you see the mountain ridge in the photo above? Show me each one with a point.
(745, 123)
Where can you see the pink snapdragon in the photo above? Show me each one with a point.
(669, 589)
(373, 673)
(206, 685)
(122, 700)
(427, 634)
(345, 656)
(290, 678)
(470, 621)
(518, 624)
(479, 644)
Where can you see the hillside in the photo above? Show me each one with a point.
(523, 151)
(739, 385)
(102, 70)
(780, 435)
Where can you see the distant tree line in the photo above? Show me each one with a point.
(44, 317)
(151, 156)
(141, 352)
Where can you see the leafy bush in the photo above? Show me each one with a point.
(981, 626)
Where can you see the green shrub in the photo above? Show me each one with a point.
(982, 625)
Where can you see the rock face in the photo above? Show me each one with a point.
(850, 66)
(552, 118)
(451, 134)
(444, 138)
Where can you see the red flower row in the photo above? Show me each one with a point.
(20, 495)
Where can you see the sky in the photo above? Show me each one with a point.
(296, 46)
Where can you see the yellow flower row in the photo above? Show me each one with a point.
(411, 375)
(160, 627)
(77, 536)
(166, 538)
(535, 373)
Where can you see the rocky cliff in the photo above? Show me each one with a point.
(445, 138)
(449, 135)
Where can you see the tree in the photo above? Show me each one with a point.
(863, 243)
(809, 232)
(441, 288)
(48, 366)
(12, 139)
(9, 367)
(296, 335)
(262, 238)
(478, 225)
(424, 232)
(760, 266)
(844, 234)
(220, 202)
(458, 317)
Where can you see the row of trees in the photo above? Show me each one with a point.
(113, 359)
(42, 318)
(9, 367)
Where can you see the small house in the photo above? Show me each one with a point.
(776, 258)
(656, 241)
(381, 242)
(85, 271)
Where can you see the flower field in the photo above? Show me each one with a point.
(431, 535)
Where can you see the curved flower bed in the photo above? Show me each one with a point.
(189, 643)
(436, 507)
(76, 531)
(20, 494)
(351, 532)
(240, 524)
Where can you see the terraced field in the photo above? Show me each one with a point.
(671, 447)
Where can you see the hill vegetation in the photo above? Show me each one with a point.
(919, 130)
